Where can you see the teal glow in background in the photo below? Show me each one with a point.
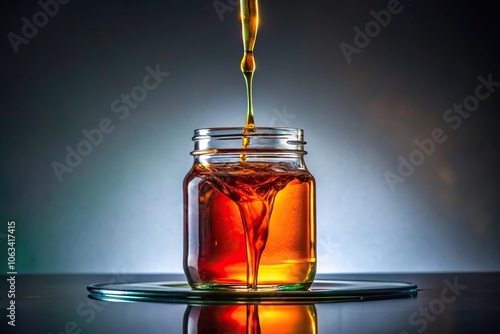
(120, 209)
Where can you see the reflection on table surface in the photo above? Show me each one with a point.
(60, 304)
(250, 319)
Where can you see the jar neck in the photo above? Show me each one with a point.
(254, 144)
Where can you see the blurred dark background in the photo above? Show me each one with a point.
(119, 209)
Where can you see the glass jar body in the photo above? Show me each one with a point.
(249, 217)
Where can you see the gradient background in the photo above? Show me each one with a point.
(120, 209)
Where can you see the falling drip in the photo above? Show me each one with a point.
(249, 11)
(255, 225)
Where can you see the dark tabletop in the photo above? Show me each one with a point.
(445, 303)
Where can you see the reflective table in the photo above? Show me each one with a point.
(444, 303)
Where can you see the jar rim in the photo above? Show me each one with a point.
(245, 132)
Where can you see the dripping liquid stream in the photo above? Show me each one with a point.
(255, 214)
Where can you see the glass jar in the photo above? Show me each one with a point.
(249, 211)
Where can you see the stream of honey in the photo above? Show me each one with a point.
(248, 207)
(249, 12)
(256, 211)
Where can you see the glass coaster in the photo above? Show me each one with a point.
(320, 291)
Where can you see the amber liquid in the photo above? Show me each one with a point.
(251, 319)
(253, 226)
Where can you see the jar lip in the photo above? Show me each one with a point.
(238, 132)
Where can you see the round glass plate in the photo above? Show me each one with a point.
(320, 291)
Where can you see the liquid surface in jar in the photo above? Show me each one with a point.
(257, 228)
